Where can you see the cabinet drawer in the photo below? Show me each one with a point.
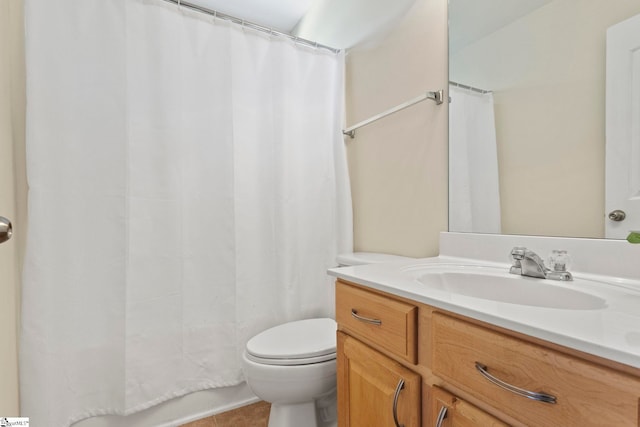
(586, 394)
(382, 321)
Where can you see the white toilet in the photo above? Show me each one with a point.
(293, 365)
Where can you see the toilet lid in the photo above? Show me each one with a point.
(313, 339)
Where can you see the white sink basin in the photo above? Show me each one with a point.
(495, 285)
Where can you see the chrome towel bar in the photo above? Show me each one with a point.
(436, 96)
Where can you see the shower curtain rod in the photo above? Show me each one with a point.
(475, 89)
(436, 96)
(251, 25)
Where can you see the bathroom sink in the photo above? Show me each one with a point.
(495, 285)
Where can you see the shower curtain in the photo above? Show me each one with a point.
(187, 189)
(474, 191)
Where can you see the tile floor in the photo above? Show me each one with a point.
(256, 415)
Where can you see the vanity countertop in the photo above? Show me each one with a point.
(611, 332)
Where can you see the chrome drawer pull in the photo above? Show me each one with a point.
(540, 397)
(441, 416)
(399, 388)
(377, 322)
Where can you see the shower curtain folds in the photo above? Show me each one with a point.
(198, 169)
(474, 187)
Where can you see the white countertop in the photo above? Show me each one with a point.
(612, 332)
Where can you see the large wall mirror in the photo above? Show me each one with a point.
(530, 116)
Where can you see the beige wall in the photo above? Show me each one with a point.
(549, 90)
(12, 184)
(398, 165)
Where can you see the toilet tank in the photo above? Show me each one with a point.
(361, 258)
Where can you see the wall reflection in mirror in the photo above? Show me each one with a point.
(528, 131)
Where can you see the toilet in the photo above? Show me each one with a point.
(293, 365)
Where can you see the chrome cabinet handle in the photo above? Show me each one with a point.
(354, 314)
(441, 416)
(399, 388)
(539, 396)
(6, 229)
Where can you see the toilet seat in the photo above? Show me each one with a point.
(301, 342)
(291, 362)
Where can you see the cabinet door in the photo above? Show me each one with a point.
(374, 390)
(446, 410)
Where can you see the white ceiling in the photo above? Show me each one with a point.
(281, 15)
(336, 23)
(346, 23)
(470, 20)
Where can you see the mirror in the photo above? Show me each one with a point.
(540, 169)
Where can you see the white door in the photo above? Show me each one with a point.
(10, 17)
(623, 128)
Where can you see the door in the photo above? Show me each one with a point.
(622, 206)
(11, 147)
(374, 390)
(446, 410)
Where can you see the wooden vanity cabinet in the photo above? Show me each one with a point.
(444, 369)
(374, 390)
(447, 410)
(388, 323)
(561, 390)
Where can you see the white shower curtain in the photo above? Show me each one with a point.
(474, 189)
(188, 188)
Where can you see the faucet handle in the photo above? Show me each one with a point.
(517, 254)
(559, 260)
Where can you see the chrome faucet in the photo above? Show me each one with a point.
(528, 263)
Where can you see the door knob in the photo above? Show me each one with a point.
(617, 215)
(6, 230)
